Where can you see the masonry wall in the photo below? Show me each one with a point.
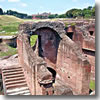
(73, 68)
(71, 65)
(86, 41)
(27, 61)
(91, 57)
(88, 48)
(89, 44)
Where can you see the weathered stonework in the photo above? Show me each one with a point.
(84, 36)
(55, 57)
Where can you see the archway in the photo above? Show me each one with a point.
(48, 42)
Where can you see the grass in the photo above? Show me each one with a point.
(9, 24)
(12, 27)
(92, 85)
(33, 39)
(67, 24)
(9, 52)
(8, 19)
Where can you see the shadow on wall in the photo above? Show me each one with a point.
(52, 71)
(0, 40)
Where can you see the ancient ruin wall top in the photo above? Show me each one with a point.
(31, 27)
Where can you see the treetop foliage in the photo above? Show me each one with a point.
(88, 12)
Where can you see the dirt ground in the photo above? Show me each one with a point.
(3, 48)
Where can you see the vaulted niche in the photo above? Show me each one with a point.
(48, 42)
(70, 35)
(91, 33)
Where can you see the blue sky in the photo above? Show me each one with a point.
(40, 6)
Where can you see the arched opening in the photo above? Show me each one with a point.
(91, 33)
(48, 42)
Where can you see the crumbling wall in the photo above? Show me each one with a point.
(59, 53)
(73, 67)
(84, 36)
(86, 33)
(27, 59)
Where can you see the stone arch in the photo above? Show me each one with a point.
(48, 43)
(69, 52)
(70, 31)
(91, 30)
(31, 27)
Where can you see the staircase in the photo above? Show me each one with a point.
(14, 82)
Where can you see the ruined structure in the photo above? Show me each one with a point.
(60, 62)
(9, 40)
(83, 34)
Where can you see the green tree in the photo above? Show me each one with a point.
(1, 11)
(87, 13)
(93, 11)
(89, 8)
(69, 13)
(62, 16)
(73, 13)
(77, 13)
(53, 16)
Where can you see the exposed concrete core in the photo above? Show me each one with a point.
(56, 64)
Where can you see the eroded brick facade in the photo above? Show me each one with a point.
(56, 65)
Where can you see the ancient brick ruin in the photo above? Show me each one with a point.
(62, 61)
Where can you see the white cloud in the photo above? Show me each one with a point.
(13, 0)
(2, 0)
(23, 4)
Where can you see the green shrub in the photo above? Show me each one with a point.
(67, 24)
(33, 39)
(92, 85)
(11, 51)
